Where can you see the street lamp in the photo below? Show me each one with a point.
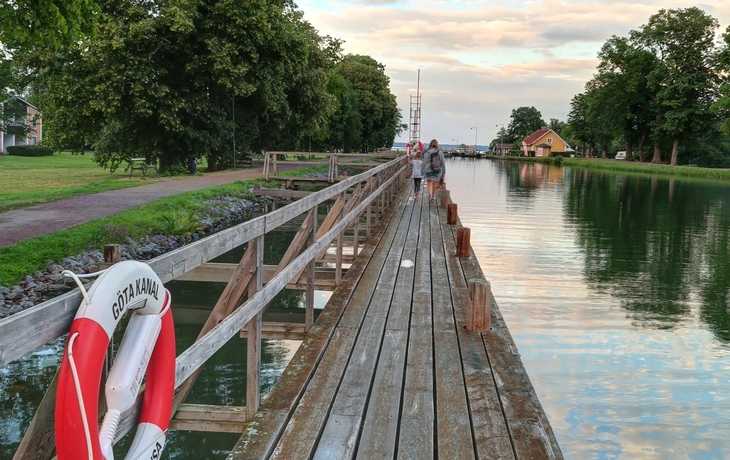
(457, 143)
(476, 132)
(501, 132)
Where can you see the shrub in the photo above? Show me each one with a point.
(558, 160)
(30, 151)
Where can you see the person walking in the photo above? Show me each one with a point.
(416, 162)
(433, 168)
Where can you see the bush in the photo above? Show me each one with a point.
(558, 160)
(30, 151)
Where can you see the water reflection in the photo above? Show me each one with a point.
(615, 288)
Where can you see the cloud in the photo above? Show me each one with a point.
(484, 58)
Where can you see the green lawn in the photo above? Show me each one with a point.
(28, 181)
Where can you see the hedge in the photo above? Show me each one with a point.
(29, 151)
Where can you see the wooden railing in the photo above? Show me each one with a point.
(368, 194)
(333, 161)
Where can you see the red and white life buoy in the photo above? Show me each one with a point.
(148, 347)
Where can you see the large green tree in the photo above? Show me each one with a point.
(628, 98)
(684, 78)
(523, 122)
(379, 114)
(46, 22)
(162, 80)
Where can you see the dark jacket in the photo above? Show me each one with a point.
(426, 165)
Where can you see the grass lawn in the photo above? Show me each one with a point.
(28, 181)
(170, 216)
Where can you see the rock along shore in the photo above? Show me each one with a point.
(220, 212)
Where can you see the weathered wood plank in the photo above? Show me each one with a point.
(525, 418)
(416, 439)
(281, 193)
(352, 396)
(209, 418)
(279, 330)
(276, 409)
(491, 436)
(453, 425)
(380, 429)
(304, 427)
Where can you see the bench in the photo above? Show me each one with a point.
(140, 164)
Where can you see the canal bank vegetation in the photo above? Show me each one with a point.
(627, 166)
(661, 94)
(197, 79)
(180, 215)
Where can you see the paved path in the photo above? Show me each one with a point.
(26, 223)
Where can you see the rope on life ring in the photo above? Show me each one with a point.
(148, 347)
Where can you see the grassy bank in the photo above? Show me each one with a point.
(169, 216)
(633, 167)
(29, 181)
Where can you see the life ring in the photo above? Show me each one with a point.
(148, 347)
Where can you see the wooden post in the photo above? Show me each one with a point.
(478, 308)
(112, 253)
(253, 331)
(356, 237)
(462, 242)
(338, 262)
(445, 198)
(451, 216)
(309, 311)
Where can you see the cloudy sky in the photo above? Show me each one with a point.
(482, 58)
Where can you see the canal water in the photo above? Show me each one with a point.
(615, 288)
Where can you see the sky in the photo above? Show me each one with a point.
(479, 59)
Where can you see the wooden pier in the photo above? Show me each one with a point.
(391, 370)
(402, 361)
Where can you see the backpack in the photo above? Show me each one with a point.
(435, 161)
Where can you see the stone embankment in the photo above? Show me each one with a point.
(220, 212)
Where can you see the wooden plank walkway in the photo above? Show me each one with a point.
(389, 369)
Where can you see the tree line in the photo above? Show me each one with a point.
(180, 78)
(661, 93)
(663, 89)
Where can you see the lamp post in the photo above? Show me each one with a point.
(501, 133)
(457, 144)
(476, 132)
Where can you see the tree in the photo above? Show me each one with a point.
(683, 79)
(161, 81)
(523, 122)
(623, 73)
(722, 106)
(46, 23)
(379, 113)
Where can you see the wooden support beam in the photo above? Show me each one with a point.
(228, 301)
(281, 193)
(253, 330)
(210, 418)
(311, 277)
(463, 245)
(221, 273)
(279, 331)
(479, 308)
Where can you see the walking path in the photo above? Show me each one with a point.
(40, 220)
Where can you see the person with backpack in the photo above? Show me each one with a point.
(433, 168)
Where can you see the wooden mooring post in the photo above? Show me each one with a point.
(478, 308)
